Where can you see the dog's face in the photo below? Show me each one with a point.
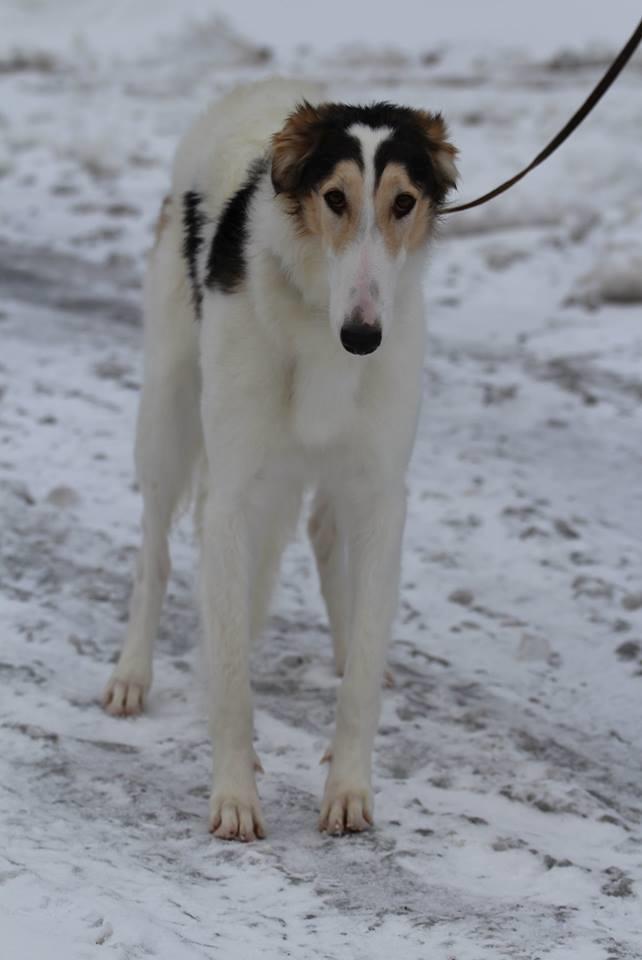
(368, 183)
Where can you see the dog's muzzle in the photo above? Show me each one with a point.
(360, 337)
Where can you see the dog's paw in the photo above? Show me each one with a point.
(346, 811)
(125, 694)
(236, 818)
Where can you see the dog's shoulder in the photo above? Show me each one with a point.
(218, 151)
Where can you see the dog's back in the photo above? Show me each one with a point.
(214, 156)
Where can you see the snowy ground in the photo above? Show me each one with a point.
(508, 769)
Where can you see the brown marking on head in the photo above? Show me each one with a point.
(293, 145)
(409, 231)
(443, 152)
(316, 217)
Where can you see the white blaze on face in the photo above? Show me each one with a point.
(363, 273)
(363, 266)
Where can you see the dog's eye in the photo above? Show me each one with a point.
(336, 200)
(404, 202)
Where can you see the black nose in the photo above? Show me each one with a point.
(358, 337)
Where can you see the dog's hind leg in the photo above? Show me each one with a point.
(167, 446)
(331, 557)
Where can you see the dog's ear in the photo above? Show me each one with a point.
(293, 146)
(442, 152)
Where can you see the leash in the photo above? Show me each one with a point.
(591, 101)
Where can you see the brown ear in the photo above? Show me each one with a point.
(442, 151)
(293, 145)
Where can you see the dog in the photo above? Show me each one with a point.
(283, 350)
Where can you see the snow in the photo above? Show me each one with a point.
(126, 26)
(508, 772)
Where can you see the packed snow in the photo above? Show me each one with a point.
(508, 770)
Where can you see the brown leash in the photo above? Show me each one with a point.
(593, 98)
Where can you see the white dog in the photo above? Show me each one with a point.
(284, 339)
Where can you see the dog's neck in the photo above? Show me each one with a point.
(290, 275)
(300, 260)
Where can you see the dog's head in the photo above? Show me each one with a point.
(367, 182)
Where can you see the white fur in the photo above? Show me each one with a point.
(264, 388)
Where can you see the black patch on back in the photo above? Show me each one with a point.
(226, 263)
(193, 221)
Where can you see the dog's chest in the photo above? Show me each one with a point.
(323, 394)
(322, 382)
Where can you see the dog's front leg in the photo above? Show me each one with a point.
(375, 527)
(235, 812)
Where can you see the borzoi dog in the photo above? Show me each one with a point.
(284, 340)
